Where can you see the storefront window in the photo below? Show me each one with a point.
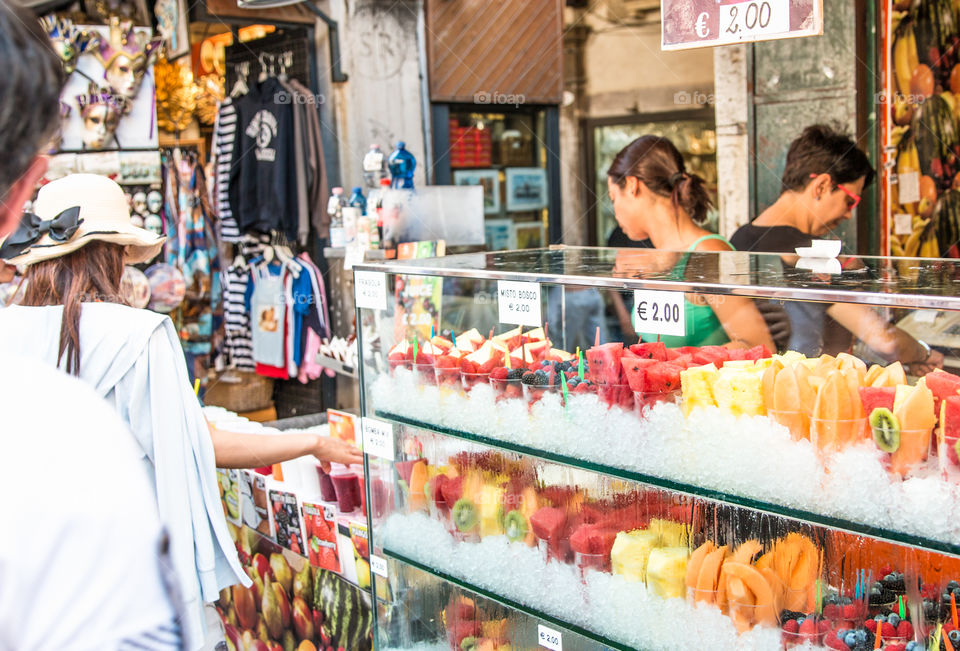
(504, 152)
(696, 139)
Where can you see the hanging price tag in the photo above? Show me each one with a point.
(549, 638)
(370, 289)
(378, 438)
(378, 565)
(902, 224)
(519, 303)
(659, 313)
(909, 187)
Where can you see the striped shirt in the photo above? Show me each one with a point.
(238, 341)
(223, 136)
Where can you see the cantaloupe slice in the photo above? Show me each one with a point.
(789, 411)
(754, 583)
(872, 374)
(830, 423)
(765, 562)
(895, 374)
(808, 392)
(695, 563)
(418, 481)
(846, 360)
(767, 383)
(746, 551)
(709, 574)
(776, 587)
(913, 407)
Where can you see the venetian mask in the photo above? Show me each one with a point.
(126, 55)
(154, 224)
(136, 220)
(101, 114)
(154, 201)
(68, 40)
(140, 203)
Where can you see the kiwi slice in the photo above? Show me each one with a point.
(515, 526)
(469, 644)
(886, 429)
(464, 515)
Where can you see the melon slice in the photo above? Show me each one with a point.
(873, 398)
(537, 334)
(788, 407)
(510, 338)
(483, 360)
(950, 430)
(913, 407)
(604, 361)
(418, 481)
(557, 355)
(442, 342)
(767, 382)
(663, 377)
(696, 562)
(872, 374)
(652, 350)
(634, 371)
(548, 522)
(831, 423)
(399, 351)
(943, 385)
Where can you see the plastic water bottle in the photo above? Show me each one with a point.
(402, 164)
(374, 166)
(335, 210)
(357, 200)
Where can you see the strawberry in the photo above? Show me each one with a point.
(808, 627)
(850, 611)
(885, 570)
(790, 626)
(824, 627)
(905, 629)
(834, 643)
(871, 625)
(499, 373)
(831, 611)
(896, 647)
(887, 630)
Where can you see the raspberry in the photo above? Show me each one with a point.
(790, 626)
(895, 647)
(808, 627)
(835, 643)
(497, 373)
(871, 625)
(887, 630)
(905, 629)
(885, 570)
(824, 627)
(850, 611)
(831, 611)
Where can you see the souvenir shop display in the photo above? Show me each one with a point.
(661, 495)
(167, 287)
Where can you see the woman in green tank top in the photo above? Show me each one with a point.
(654, 198)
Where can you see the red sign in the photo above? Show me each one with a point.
(704, 23)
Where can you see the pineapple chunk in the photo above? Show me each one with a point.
(763, 364)
(791, 357)
(739, 391)
(667, 571)
(491, 510)
(630, 551)
(742, 364)
(672, 534)
(696, 384)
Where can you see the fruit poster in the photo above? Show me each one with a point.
(320, 527)
(920, 125)
(291, 605)
(343, 426)
(286, 517)
(418, 298)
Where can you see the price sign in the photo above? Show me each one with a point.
(519, 303)
(378, 438)
(659, 313)
(370, 289)
(378, 565)
(902, 224)
(909, 187)
(549, 638)
(705, 23)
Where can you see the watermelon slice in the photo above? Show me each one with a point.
(548, 522)
(604, 362)
(634, 369)
(950, 426)
(873, 397)
(593, 539)
(715, 355)
(757, 353)
(942, 385)
(663, 377)
(685, 360)
(436, 487)
(451, 489)
(405, 469)
(653, 350)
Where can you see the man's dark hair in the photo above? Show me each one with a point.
(823, 150)
(31, 78)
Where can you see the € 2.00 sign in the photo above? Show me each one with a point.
(703, 23)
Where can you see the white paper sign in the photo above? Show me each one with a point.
(902, 224)
(378, 438)
(378, 565)
(371, 289)
(549, 638)
(659, 313)
(519, 303)
(909, 187)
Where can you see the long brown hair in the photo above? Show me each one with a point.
(92, 273)
(658, 163)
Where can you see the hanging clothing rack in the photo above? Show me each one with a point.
(291, 46)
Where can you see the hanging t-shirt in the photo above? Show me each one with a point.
(224, 134)
(238, 343)
(299, 299)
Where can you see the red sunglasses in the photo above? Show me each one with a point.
(853, 200)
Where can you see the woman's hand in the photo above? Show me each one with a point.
(329, 449)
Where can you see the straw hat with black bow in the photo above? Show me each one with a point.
(73, 211)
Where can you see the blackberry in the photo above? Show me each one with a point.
(515, 374)
(556, 380)
(790, 614)
(541, 378)
(566, 366)
(528, 378)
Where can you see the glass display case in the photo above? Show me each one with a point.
(697, 489)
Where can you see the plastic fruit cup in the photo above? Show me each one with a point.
(327, 492)
(471, 380)
(833, 435)
(796, 639)
(701, 596)
(472, 536)
(345, 485)
(797, 422)
(504, 389)
(558, 550)
(616, 395)
(394, 364)
(447, 377)
(947, 456)
(750, 615)
(535, 392)
(360, 495)
(424, 373)
(587, 562)
(644, 400)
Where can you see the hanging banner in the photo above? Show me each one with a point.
(690, 24)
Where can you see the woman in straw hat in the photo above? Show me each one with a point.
(72, 316)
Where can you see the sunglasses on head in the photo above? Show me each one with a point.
(852, 199)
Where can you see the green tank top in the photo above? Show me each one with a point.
(703, 328)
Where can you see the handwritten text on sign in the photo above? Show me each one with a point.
(549, 638)
(703, 23)
(371, 289)
(379, 565)
(659, 313)
(378, 438)
(519, 303)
